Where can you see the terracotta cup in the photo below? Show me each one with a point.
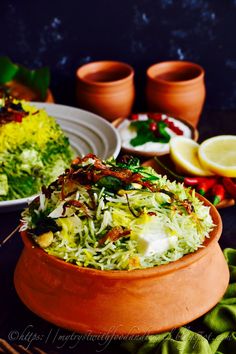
(106, 88)
(176, 88)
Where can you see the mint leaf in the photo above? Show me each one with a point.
(145, 134)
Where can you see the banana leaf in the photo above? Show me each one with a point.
(38, 80)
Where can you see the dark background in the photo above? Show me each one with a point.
(66, 34)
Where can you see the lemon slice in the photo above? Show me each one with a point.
(184, 153)
(218, 154)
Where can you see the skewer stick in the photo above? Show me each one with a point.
(7, 238)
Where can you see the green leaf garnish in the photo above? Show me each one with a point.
(145, 134)
(38, 80)
(110, 183)
(7, 70)
(45, 224)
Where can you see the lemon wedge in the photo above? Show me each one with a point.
(218, 154)
(184, 153)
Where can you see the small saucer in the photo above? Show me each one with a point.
(147, 154)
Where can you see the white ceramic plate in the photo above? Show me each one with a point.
(87, 133)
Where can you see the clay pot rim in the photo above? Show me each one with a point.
(83, 70)
(136, 273)
(151, 72)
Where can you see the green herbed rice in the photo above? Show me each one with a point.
(33, 152)
(100, 215)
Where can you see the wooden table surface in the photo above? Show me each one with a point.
(21, 326)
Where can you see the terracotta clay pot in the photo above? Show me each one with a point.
(123, 302)
(106, 88)
(21, 91)
(176, 88)
(49, 97)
